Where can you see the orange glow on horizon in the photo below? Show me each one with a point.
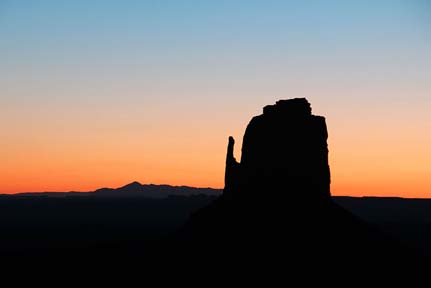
(373, 156)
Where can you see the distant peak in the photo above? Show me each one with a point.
(133, 184)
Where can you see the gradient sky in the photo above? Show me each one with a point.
(102, 93)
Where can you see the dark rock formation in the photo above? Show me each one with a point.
(284, 151)
(277, 207)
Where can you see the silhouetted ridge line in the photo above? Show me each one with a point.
(131, 190)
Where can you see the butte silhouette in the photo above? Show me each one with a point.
(276, 205)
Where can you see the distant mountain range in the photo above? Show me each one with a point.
(132, 190)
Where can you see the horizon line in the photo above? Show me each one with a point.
(188, 186)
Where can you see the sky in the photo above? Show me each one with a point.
(102, 93)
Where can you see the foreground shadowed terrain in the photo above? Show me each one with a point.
(40, 226)
(408, 220)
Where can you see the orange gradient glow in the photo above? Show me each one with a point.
(378, 155)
